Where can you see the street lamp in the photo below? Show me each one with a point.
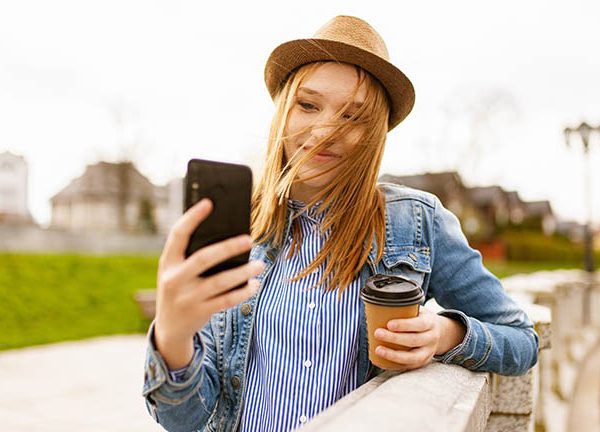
(584, 131)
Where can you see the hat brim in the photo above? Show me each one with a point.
(290, 55)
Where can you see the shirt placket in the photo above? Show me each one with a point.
(312, 311)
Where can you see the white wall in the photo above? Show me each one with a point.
(13, 184)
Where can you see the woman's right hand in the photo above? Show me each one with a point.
(186, 302)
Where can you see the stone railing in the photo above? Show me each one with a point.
(441, 397)
(565, 308)
(571, 364)
(559, 394)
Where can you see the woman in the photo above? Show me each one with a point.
(292, 341)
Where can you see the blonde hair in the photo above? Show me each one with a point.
(355, 208)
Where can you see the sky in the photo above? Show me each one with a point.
(161, 82)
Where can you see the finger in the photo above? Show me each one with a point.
(221, 282)
(233, 298)
(412, 358)
(417, 324)
(179, 235)
(410, 339)
(211, 255)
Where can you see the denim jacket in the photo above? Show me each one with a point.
(424, 242)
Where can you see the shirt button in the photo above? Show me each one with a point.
(303, 419)
(236, 381)
(307, 363)
(311, 305)
(246, 309)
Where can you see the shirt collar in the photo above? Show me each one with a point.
(312, 213)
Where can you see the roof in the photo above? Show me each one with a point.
(9, 155)
(437, 183)
(109, 180)
(514, 199)
(487, 195)
(538, 208)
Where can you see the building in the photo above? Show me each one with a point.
(447, 186)
(483, 211)
(112, 197)
(13, 189)
(539, 214)
(574, 231)
(516, 207)
(493, 205)
(455, 196)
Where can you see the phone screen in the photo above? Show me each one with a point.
(229, 187)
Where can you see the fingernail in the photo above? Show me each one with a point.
(254, 284)
(378, 333)
(379, 350)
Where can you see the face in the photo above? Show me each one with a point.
(319, 99)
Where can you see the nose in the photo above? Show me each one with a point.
(321, 131)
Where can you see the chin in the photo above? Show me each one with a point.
(318, 183)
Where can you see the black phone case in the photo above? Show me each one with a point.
(229, 187)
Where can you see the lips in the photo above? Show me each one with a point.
(323, 153)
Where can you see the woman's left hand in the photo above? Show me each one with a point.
(426, 335)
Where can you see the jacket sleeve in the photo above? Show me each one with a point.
(500, 337)
(185, 403)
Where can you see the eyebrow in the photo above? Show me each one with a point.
(316, 93)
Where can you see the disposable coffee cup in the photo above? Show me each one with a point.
(386, 298)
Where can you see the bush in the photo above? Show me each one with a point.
(534, 246)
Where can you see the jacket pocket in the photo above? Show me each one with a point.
(412, 263)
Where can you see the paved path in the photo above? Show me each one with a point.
(86, 386)
(95, 386)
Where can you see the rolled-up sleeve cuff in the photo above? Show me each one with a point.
(159, 381)
(475, 347)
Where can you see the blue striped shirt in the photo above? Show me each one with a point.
(303, 353)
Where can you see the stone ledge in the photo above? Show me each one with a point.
(436, 397)
(509, 423)
(515, 394)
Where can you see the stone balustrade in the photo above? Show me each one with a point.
(573, 297)
(435, 398)
(565, 308)
(441, 397)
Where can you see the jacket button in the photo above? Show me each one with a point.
(470, 362)
(236, 382)
(152, 370)
(246, 309)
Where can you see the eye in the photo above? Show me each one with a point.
(307, 106)
(349, 116)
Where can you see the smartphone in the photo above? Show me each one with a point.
(229, 187)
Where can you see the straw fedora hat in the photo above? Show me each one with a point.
(344, 39)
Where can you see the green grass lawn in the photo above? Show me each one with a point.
(51, 298)
(504, 269)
